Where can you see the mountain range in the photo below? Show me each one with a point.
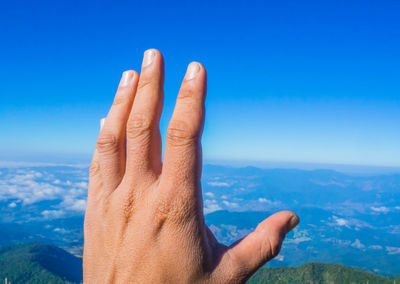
(349, 219)
(37, 263)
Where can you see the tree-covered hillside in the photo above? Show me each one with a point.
(316, 272)
(36, 263)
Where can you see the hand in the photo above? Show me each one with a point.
(144, 220)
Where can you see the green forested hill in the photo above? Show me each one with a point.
(36, 263)
(318, 273)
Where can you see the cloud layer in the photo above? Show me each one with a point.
(46, 192)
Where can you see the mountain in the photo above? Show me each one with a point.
(37, 263)
(315, 241)
(316, 272)
(347, 219)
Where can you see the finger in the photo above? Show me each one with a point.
(243, 258)
(94, 176)
(111, 141)
(143, 134)
(182, 160)
(95, 181)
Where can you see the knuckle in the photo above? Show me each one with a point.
(187, 93)
(274, 248)
(128, 207)
(179, 133)
(180, 212)
(94, 168)
(161, 212)
(119, 99)
(191, 100)
(176, 211)
(138, 125)
(144, 82)
(107, 143)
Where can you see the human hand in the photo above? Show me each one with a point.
(144, 219)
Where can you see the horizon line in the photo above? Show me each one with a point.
(235, 163)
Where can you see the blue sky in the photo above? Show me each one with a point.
(299, 81)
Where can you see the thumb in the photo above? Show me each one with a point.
(244, 257)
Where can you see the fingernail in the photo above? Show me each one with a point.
(192, 71)
(102, 123)
(294, 221)
(148, 57)
(126, 78)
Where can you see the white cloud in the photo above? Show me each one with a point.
(38, 174)
(218, 183)
(350, 223)
(82, 184)
(299, 236)
(393, 250)
(211, 206)
(268, 202)
(298, 240)
(397, 207)
(30, 186)
(209, 194)
(12, 205)
(61, 230)
(357, 244)
(26, 186)
(12, 164)
(381, 209)
(72, 202)
(341, 222)
(52, 214)
(337, 241)
(376, 247)
(79, 205)
(230, 204)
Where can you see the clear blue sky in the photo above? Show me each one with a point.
(310, 81)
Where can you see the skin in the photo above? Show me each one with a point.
(144, 220)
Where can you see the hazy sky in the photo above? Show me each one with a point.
(303, 81)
